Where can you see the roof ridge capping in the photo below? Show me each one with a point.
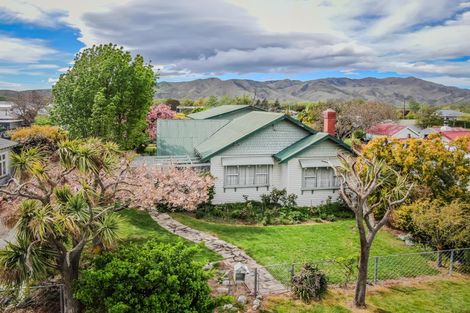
(221, 110)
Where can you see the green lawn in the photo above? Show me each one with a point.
(451, 296)
(299, 243)
(138, 226)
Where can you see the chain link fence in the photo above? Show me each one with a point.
(343, 271)
(38, 299)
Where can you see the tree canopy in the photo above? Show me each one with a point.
(351, 115)
(106, 94)
(439, 170)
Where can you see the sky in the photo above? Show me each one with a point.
(246, 39)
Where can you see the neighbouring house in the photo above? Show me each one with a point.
(8, 120)
(448, 134)
(450, 115)
(5, 149)
(250, 152)
(392, 129)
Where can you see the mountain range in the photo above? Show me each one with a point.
(392, 90)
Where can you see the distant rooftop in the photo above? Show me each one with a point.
(386, 129)
(450, 113)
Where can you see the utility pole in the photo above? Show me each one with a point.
(404, 106)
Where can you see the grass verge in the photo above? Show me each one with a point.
(138, 226)
(452, 295)
(270, 245)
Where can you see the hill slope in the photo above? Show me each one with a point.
(391, 90)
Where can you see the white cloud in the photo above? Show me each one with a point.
(194, 38)
(462, 82)
(22, 50)
(52, 80)
(42, 66)
(9, 85)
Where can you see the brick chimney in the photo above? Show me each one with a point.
(329, 122)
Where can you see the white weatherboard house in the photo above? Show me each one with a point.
(250, 152)
(5, 148)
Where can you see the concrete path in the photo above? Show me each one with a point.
(231, 254)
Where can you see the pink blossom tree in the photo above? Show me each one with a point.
(66, 199)
(156, 112)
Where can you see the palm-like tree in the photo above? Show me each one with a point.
(64, 210)
(367, 185)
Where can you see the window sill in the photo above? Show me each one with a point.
(322, 188)
(254, 186)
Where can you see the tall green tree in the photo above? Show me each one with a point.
(428, 117)
(211, 102)
(106, 94)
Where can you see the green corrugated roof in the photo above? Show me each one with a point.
(179, 137)
(306, 142)
(5, 143)
(220, 111)
(235, 131)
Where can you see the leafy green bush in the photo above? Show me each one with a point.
(276, 208)
(153, 277)
(310, 284)
(150, 150)
(279, 198)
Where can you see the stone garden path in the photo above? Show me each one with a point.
(231, 254)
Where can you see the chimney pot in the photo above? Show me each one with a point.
(329, 122)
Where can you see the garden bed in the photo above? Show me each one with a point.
(269, 213)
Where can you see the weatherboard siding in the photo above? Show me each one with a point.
(324, 150)
(230, 195)
(270, 140)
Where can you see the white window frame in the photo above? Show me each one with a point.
(261, 170)
(332, 185)
(3, 164)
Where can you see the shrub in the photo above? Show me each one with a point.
(279, 198)
(153, 277)
(310, 284)
(442, 225)
(42, 120)
(150, 150)
(44, 136)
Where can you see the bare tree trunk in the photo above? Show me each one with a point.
(70, 276)
(361, 284)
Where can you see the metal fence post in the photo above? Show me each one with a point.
(292, 273)
(376, 270)
(451, 265)
(256, 281)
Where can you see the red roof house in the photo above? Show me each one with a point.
(392, 130)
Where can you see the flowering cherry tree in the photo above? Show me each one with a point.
(160, 111)
(63, 200)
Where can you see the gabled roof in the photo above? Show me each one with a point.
(450, 113)
(454, 135)
(305, 143)
(386, 129)
(240, 128)
(219, 111)
(5, 143)
(179, 137)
